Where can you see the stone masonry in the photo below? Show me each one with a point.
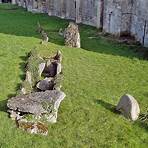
(113, 16)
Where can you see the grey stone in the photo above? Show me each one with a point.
(37, 103)
(72, 35)
(46, 84)
(129, 107)
(53, 65)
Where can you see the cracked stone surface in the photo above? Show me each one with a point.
(34, 103)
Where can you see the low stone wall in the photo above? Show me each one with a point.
(37, 102)
(113, 16)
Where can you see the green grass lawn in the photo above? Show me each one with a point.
(95, 77)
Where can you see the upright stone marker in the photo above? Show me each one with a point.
(72, 35)
(129, 107)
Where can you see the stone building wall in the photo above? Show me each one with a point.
(117, 16)
(79, 10)
(113, 16)
(139, 23)
(89, 12)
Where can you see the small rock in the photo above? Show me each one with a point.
(46, 84)
(23, 91)
(61, 32)
(129, 107)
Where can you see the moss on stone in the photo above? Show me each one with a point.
(33, 66)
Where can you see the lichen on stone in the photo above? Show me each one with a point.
(36, 105)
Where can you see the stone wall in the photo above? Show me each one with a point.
(139, 23)
(113, 16)
(117, 16)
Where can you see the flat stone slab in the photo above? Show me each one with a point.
(37, 103)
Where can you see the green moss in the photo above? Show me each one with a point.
(33, 66)
(47, 106)
(27, 86)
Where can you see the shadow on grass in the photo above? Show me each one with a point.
(3, 105)
(22, 66)
(142, 124)
(112, 108)
(107, 106)
(104, 46)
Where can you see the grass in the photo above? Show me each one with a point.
(95, 77)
